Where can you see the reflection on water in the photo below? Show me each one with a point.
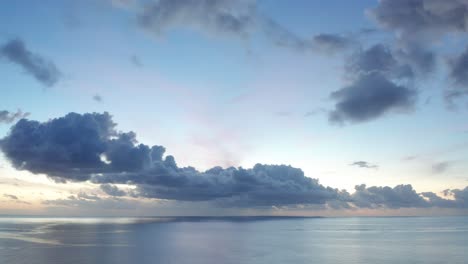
(233, 240)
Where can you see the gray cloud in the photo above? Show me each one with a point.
(97, 98)
(43, 70)
(332, 42)
(397, 197)
(112, 190)
(418, 25)
(10, 117)
(364, 164)
(378, 58)
(459, 76)
(232, 18)
(83, 147)
(421, 19)
(377, 87)
(220, 16)
(11, 196)
(136, 61)
(440, 167)
(87, 147)
(369, 97)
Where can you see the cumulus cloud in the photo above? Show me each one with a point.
(369, 97)
(364, 164)
(397, 197)
(42, 69)
(378, 85)
(418, 25)
(87, 147)
(83, 147)
(8, 117)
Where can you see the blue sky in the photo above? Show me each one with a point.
(215, 97)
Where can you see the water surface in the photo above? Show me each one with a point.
(233, 240)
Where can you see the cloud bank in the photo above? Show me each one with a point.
(87, 147)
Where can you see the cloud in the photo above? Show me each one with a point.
(86, 196)
(87, 147)
(219, 16)
(43, 70)
(332, 43)
(9, 117)
(378, 59)
(240, 19)
(369, 97)
(112, 190)
(83, 147)
(419, 25)
(397, 197)
(97, 98)
(364, 164)
(440, 167)
(458, 68)
(11, 196)
(136, 61)
(421, 19)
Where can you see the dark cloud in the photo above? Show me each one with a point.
(42, 69)
(364, 164)
(82, 147)
(112, 190)
(369, 97)
(87, 147)
(397, 197)
(419, 24)
(97, 98)
(72, 147)
(10, 117)
(459, 75)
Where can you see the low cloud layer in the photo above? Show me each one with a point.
(42, 69)
(87, 147)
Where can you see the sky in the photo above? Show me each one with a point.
(248, 107)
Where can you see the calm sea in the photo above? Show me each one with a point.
(233, 240)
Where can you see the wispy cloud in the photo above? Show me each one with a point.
(42, 69)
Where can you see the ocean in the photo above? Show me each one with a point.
(221, 240)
